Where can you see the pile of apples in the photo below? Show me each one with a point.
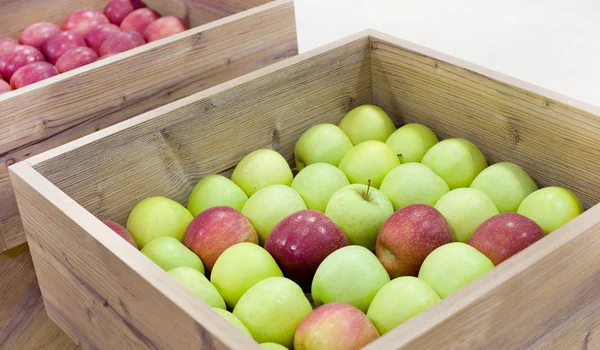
(378, 225)
(85, 36)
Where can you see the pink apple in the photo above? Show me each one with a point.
(7, 44)
(120, 230)
(4, 87)
(121, 42)
(117, 10)
(61, 43)
(164, 27)
(101, 32)
(504, 235)
(139, 19)
(84, 20)
(301, 241)
(216, 229)
(17, 57)
(335, 326)
(37, 34)
(32, 73)
(408, 236)
(75, 58)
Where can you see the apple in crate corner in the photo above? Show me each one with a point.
(61, 43)
(139, 19)
(317, 183)
(75, 58)
(37, 34)
(199, 285)
(84, 20)
(411, 141)
(4, 87)
(335, 326)
(164, 27)
(95, 37)
(214, 191)
(120, 230)
(169, 253)
(121, 42)
(32, 73)
(18, 57)
(117, 10)
(551, 207)
(369, 161)
(7, 44)
(260, 169)
(322, 143)
(367, 122)
(233, 320)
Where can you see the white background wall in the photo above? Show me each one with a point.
(552, 43)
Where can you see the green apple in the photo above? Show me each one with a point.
(370, 160)
(411, 142)
(413, 183)
(260, 169)
(359, 211)
(157, 217)
(272, 309)
(551, 207)
(215, 191)
(453, 266)
(507, 184)
(273, 346)
(317, 183)
(400, 300)
(457, 161)
(269, 206)
(240, 267)
(351, 275)
(198, 284)
(233, 320)
(367, 122)
(323, 143)
(465, 209)
(169, 253)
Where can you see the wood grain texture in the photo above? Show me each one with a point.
(60, 110)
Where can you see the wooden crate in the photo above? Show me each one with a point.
(250, 35)
(102, 292)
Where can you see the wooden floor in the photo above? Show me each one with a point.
(23, 320)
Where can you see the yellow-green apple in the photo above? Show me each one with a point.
(507, 184)
(260, 169)
(157, 217)
(272, 346)
(317, 183)
(504, 235)
(215, 230)
(198, 284)
(367, 122)
(240, 267)
(169, 253)
(301, 241)
(369, 161)
(335, 326)
(465, 209)
(457, 161)
(551, 207)
(351, 275)
(408, 236)
(413, 183)
(233, 320)
(411, 141)
(399, 301)
(322, 143)
(269, 206)
(215, 191)
(359, 211)
(120, 230)
(272, 309)
(453, 266)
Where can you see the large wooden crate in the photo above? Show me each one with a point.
(229, 38)
(104, 293)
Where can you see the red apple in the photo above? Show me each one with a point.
(4, 87)
(216, 229)
(32, 73)
(61, 43)
(164, 27)
(84, 20)
(101, 32)
(117, 10)
(408, 236)
(75, 58)
(335, 326)
(18, 57)
(7, 44)
(37, 34)
(120, 230)
(301, 241)
(504, 235)
(139, 19)
(121, 42)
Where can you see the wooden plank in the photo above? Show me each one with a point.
(60, 110)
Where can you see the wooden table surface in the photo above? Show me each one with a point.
(23, 320)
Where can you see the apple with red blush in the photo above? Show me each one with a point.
(99, 34)
(75, 58)
(4, 87)
(84, 20)
(139, 19)
(32, 73)
(17, 57)
(37, 34)
(120, 230)
(117, 10)
(61, 43)
(121, 42)
(7, 44)
(164, 27)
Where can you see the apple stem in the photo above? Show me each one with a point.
(399, 154)
(368, 188)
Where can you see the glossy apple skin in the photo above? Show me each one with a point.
(216, 229)
(504, 235)
(75, 58)
(17, 57)
(120, 230)
(301, 241)
(139, 19)
(32, 73)
(61, 43)
(408, 236)
(37, 34)
(164, 27)
(121, 42)
(99, 34)
(117, 10)
(4, 87)
(84, 20)
(7, 44)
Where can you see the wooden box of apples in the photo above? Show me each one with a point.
(371, 193)
(89, 64)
